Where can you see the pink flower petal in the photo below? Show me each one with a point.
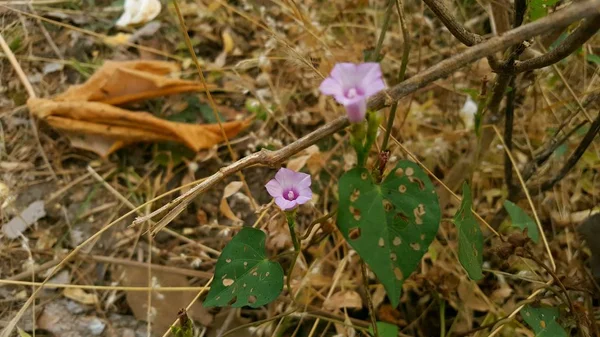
(304, 195)
(374, 87)
(303, 181)
(274, 188)
(356, 109)
(285, 177)
(302, 200)
(331, 87)
(371, 78)
(285, 204)
(346, 74)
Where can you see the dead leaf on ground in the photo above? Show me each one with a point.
(229, 190)
(343, 299)
(469, 298)
(165, 304)
(79, 295)
(307, 158)
(88, 117)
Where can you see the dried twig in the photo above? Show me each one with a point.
(459, 31)
(584, 32)
(17, 67)
(574, 158)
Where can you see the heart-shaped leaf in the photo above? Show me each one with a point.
(390, 225)
(470, 239)
(543, 321)
(243, 274)
(521, 220)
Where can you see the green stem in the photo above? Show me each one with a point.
(363, 269)
(442, 318)
(291, 220)
(403, 66)
(386, 23)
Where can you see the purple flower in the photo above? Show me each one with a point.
(351, 84)
(290, 188)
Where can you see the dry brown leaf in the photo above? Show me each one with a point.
(469, 298)
(297, 163)
(164, 304)
(229, 190)
(343, 299)
(79, 295)
(499, 295)
(129, 81)
(85, 113)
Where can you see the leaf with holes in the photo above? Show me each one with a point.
(521, 220)
(243, 274)
(390, 225)
(543, 321)
(470, 239)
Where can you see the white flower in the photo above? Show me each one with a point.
(467, 113)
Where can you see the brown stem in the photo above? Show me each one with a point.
(584, 32)
(508, 134)
(459, 31)
(575, 156)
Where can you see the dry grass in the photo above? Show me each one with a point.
(281, 51)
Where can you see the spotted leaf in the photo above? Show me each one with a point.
(244, 276)
(543, 321)
(390, 225)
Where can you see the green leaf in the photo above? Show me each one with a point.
(470, 239)
(385, 329)
(243, 274)
(474, 93)
(521, 220)
(389, 225)
(539, 8)
(22, 333)
(594, 59)
(543, 321)
(560, 151)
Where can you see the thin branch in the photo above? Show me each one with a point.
(32, 122)
(459, 31)
(548, 184)
(530, 168)
(382, 99)
(403, 66)
(508, 134)
(575, 156)
(365, 278)
(374, 57)
(542, 156)
(571, 43)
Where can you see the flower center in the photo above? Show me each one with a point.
(290, 194)
(352, 92)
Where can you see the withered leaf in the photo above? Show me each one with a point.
(164, 304)
(86, 113)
